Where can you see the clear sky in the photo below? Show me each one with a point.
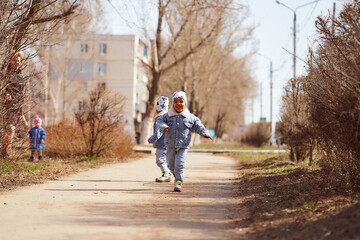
(274, 38)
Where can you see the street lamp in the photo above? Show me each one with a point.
(271, 85)
(271, 95)
(294, 28)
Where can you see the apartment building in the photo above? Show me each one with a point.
(78, 66)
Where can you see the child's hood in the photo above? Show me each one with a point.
(184, 113)
(160, 114)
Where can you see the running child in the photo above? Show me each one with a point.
(157, 139)
(178, 124)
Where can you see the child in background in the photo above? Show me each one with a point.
(37, 137)
(177, 124)
(157, 139)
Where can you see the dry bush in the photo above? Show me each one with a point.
(334, 93)
(122, 146)
(257, 134)
(64, 140)
(295, 129)
(100, 118)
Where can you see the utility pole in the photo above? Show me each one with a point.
(294, 30)
(271, 85)
(294, 45)
(261, 106)
(334, 10)
(252, 109)
(271, 97)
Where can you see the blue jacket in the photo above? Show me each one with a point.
(157, 139)
(36, 135)
(180, 126)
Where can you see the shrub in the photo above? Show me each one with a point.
(64, 140)
(334, 93)
(257, 134)
(99, 119)
(295, 129)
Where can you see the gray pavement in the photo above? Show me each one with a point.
(150, 149)
(122, 201)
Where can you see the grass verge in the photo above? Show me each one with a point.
(232, 146)
(18, 173)
(292, 201)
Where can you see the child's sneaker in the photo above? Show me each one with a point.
(165, 177)
(177, 187)
(40, 158)
(31, 159)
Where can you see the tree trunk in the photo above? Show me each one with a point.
(292, 155)
(149, 113)
(311, 153)
(146, 130)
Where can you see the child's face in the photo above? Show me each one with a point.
(179, 105)
(38, 124)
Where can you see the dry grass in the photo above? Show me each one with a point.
(18, 173)
(289, 201)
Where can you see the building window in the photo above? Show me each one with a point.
(102, 48)
(145, 52)
(102, 69)
(83, 48)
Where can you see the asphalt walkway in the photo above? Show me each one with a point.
(122, 201)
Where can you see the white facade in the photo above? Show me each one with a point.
(113, 61)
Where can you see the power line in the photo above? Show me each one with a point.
(312, 11)
(116, 10)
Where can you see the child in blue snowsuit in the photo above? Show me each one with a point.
(37, 137)
(157, 139)
(178, 124)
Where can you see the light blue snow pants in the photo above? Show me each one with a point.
(161, 160)
(176, 162)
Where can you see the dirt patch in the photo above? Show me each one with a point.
(286, 201)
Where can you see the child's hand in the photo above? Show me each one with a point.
(207, 136)
(8, 97)
(42, 141)
(166, 129)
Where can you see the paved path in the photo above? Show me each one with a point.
(122, 201)
(150, 149)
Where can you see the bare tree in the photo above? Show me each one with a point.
(99, 117)
(174, 20)
(22, 23)
(212, 76)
